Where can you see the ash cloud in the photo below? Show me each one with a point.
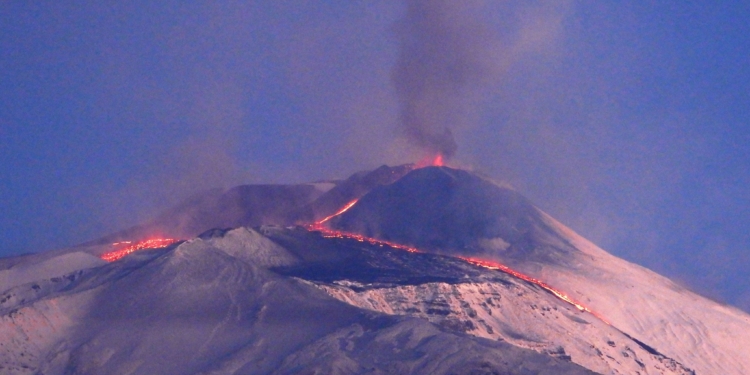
(443, 57)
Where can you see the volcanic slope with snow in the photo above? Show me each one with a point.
(429, 271)
(455, 212)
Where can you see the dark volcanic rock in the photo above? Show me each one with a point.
(352, 188)
(330, 259)
(456, 212)
(256, 205)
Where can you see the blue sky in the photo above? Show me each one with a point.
(628, 121)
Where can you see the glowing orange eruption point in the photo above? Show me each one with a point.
(427, 161)
(154, 243)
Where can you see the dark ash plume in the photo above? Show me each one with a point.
(442, 57)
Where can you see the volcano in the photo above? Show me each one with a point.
(403, 270)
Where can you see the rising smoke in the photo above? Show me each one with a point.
(443, 55)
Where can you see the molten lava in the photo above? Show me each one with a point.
(331, 233)
(155, 243)
(501, 267)
(339, 212)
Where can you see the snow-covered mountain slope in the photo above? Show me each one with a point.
(455, 212)
(225, 303)
(710, 337)
(515, 314)
(459, 296)
(58, 265)
(317, 299)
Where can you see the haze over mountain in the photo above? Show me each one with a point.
(430, 270)
(614, 117)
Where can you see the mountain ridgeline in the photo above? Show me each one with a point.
(433, 270)
(456, 212)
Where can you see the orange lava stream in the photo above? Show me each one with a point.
(330, 233)
(154, 243)
(501, 267)
(339, 212)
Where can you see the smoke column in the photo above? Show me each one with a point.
(442, 58)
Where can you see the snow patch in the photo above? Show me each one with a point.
(519, 314)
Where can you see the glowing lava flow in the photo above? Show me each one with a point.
(330, 233)
(154, 243)
(339, 212)
(501, 267)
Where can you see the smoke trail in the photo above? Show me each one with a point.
(442, 58)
